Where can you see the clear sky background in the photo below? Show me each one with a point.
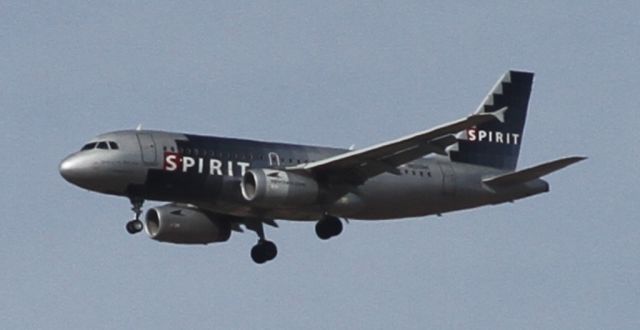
(327, 73)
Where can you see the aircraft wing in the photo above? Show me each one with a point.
(359, 165)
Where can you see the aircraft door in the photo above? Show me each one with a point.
(448, 179)
(147, 148)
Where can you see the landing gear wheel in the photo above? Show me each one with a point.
(328, 227)
(270, 250)
(264, 251)
(134, 226)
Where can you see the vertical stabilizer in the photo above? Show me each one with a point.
(497, 144)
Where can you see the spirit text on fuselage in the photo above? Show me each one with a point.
(174, 162)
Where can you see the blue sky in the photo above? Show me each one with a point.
(329, 73)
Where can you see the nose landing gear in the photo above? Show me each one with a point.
(135, 226)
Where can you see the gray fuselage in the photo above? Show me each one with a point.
(207, 171)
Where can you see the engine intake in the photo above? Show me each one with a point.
(185, 225)
(268, 187)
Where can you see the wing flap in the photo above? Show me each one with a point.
(532, 173)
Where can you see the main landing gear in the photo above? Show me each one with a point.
(264, 250)
(329, 226)
(135, 226)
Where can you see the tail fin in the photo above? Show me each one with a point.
(497, 144)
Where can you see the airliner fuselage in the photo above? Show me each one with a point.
(208, 171)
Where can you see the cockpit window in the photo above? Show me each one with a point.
(88, 146)
(105, 145)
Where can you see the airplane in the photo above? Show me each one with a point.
(218, 185)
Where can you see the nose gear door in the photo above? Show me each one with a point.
(147, 148)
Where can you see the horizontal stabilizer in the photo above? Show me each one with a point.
(532, 173)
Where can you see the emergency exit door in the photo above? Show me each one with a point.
(147, 148)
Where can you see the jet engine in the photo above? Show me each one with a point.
(276, 187)
(185, 225)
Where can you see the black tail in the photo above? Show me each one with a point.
(497, 144)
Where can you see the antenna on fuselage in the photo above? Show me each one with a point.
(139, 128)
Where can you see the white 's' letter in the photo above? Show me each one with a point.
(170, 162)
(471, 133)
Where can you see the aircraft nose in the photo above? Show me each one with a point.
(93, 171)
(73, 169)
(67, 169)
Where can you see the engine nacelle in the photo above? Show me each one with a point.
(185, 225)
(269, 187)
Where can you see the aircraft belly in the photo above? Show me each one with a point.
(390, 196)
